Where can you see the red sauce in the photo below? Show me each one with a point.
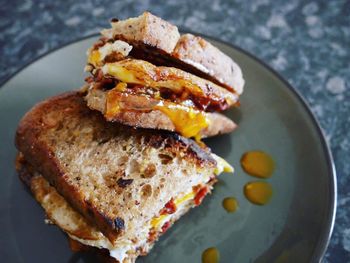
(169, 208)
(152, 236)
(200, 195)
(165, 227)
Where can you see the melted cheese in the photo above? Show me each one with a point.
(121, 73)
(222, 165)
(184, 198)
(158, 222)
(142, 72)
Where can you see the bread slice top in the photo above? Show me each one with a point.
(159, 42)
(148, 28)
(117, 177)
(150, 115)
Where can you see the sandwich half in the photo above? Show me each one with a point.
(142, 69)
(106, 185)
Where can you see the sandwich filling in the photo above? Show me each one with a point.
(184, 98)
(111, 61)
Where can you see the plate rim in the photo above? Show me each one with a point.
(321, 247)
(326, 234)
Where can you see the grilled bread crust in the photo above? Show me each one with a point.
(91, 162)
(159, 42)
(154, 119)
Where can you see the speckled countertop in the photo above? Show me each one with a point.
(307, 42)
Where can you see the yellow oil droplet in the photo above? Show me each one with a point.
(258, 193)
(230, 204)
(258, 164)
(210, 255)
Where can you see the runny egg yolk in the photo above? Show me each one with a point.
(187, 121)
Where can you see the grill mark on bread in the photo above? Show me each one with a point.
(124, 182)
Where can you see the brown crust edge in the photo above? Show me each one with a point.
(38, 154)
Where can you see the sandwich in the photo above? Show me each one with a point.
(110, 187)
(145, 74)
(114, 164)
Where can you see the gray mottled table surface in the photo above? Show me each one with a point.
(307, 42)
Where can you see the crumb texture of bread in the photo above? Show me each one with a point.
(60, 213)
(116, 176)
(148, 29)
(199, 53)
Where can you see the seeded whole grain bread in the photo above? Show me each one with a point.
(159, 42)
(154, 119)
(60, 213)
(92, 163)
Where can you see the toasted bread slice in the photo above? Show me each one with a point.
(159, 42)
(148, 115)
(82, 235)
(112, 174)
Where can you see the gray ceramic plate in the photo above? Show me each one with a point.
(294, 227)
